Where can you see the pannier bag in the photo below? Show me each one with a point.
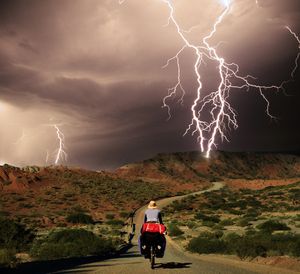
(153, 228)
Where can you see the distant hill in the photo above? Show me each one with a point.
(221, 165)
(44, 196)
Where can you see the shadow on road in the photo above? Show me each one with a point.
(130, 254)
(173, 265)
(63, 265)
(44, 267)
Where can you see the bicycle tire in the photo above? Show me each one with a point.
(152, 257)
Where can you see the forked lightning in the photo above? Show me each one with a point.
(61, 154)
(213, 104)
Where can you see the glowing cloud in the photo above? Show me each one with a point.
(2, 107)
(226, 3)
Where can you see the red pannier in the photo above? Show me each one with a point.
(154, 228)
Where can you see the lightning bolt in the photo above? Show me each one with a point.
(61, 153)
(298, 55)
(222, 116)
(47, 156)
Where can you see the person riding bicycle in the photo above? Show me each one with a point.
(152, 215)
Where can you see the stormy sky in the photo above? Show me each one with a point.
(94, 68)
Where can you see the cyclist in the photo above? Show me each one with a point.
(152, 215)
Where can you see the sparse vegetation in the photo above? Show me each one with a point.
(206, 243)
(7, 257)
(271, 226)
(71, 243)
(80, 218)
(14, 236)
(90, 191)
(209, 218)
(247, 246)
(230, 221)
(174, 230)
(110, 216)
(247, 223)
(114, 222)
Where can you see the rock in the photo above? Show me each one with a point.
(31, 169)
(3, 175)
(46, 221)
(18, 182)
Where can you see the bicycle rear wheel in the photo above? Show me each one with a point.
(152, 257)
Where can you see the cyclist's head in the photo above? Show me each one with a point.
(152, 204)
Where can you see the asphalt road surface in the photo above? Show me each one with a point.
(175, 259)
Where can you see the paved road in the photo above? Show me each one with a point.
(174, 261)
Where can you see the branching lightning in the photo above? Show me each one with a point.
(61, 153)
(215, 103)
(298, 55)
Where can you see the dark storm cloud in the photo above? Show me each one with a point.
(282, 12)
(95, 68)
(280, 7)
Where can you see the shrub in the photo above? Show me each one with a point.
(263, 244)
(271, 226)
(252, 213)
(283, 243)
(208, 223)
(227, 222)
(191, 224)
(124, 214)
(109, 216)
(7, 257)
(251, 246)
(218, 234)
(206, 243)
(80, 218)
(218, 227)
(231, 239)
(295, 247)
(78, 208)
(115, 222)
(185, 204)
(275, 193)
(235, 211)
(115, 232)
(243, 222)
(211, 218)
(71, 243)
(242, 204)
(14, 235)
(174, 230)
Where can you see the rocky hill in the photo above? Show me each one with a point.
(221, 165)
(174, 169)
(45, 196)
